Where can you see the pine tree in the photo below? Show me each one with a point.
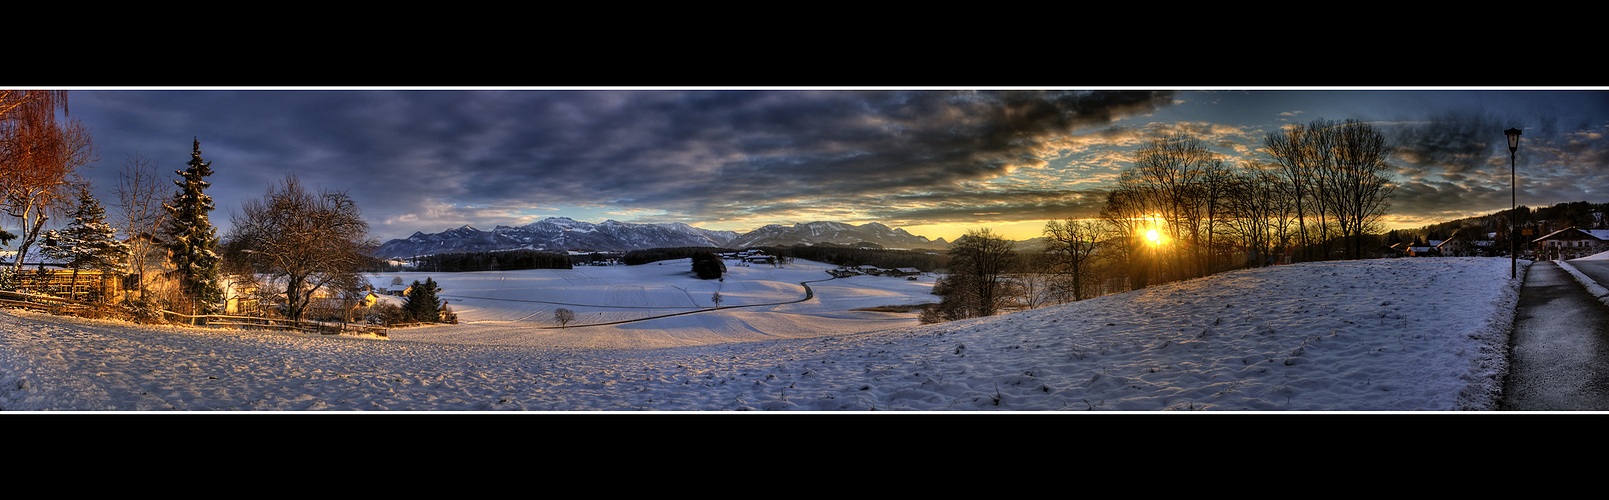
(192, 241)
(88, 242)
(422, 304)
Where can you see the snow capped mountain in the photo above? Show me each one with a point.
(559, 234)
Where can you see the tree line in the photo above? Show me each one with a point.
(651, 255)
(854, 256)
(1181, 211)
(506, 260)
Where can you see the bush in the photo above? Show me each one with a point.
(387, 314)
(143, 310)
(708, 266)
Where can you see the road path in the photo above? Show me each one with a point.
(1559, 353)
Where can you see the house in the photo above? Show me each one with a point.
(904, 271)
(759, 259)
(1456, 245)
(1571, 243)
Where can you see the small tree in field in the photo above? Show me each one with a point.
(563, 316)
(716, 298)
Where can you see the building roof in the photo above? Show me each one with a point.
(1598, 234)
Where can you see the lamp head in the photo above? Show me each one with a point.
(1513, 139)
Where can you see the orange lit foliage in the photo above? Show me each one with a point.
(39, 159)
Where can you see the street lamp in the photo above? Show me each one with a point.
(1513, 214)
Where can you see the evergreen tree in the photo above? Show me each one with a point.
(88, 242)
(192, 241)
(422, 304)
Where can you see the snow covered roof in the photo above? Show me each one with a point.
(1598, 234)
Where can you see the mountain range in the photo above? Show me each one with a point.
(562, 234)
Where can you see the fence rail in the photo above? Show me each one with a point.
(58, 305)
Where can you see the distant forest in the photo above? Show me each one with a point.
(640, 257)
(1541, 220)
(508, 260)
(924, 261)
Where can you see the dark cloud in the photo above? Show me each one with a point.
(696, 155)
(429, 159)
(1455, 163)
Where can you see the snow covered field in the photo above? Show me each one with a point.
(757, 303)
(1380, 335)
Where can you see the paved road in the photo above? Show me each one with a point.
(1559, 353)
(1598, 270)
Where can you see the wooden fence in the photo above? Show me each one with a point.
(58, 305)
(319, 327)
(85, 285)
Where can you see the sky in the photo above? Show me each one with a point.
(934, 161)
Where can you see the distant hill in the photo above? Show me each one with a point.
(836, 233)
(562, 234)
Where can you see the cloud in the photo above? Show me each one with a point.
(689, 155)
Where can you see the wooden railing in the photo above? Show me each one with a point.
(58, 305)
(319, 327)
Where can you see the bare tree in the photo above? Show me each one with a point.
(1128, 217)
(1362, 189)
(1260, 210)
(1339, 179)
(563, 316)
(1070, 250)
(298, 244)
(140, 213)
(1035, 284)
(11, 100)
(39, 161)
(1170, 179)
(982, 258)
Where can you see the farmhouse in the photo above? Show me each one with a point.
(904, 271)
(1571, 243)
(1455, 246)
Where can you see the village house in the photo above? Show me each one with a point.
(1571, 243)
(1456, 245)
(1421, 250)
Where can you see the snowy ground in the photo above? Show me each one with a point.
(1381, 335)
(758, 303)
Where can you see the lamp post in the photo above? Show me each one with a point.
(1513, 214)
